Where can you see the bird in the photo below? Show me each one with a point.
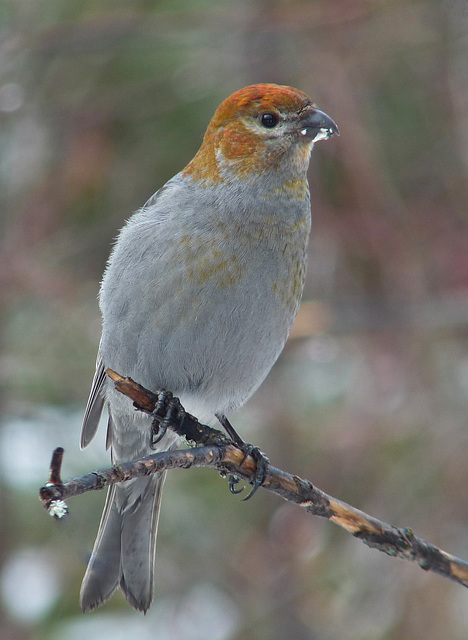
(198, 297)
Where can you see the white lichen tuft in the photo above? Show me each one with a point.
(58, 509)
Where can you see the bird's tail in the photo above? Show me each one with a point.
(124, 550)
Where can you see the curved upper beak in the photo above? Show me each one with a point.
(318, 126)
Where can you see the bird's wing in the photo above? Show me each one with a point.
(97, 396)
(94, 406)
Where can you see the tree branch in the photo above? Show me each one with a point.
(219, 452)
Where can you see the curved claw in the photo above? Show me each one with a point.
(261, 471)
(169, 408)
(157, 436)
(233, 480)
(262, 462)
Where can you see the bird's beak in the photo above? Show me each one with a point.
(318, 126)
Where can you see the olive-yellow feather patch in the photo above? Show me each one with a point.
(205, 262)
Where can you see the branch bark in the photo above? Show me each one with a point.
(215, 450)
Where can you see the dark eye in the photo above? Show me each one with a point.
(269, 120)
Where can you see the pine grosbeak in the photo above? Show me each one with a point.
(198, 297)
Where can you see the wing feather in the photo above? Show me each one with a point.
(95, 404)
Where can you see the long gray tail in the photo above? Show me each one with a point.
(124, 550)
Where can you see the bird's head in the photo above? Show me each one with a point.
(259, 130)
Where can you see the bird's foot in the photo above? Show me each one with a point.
(261, 470)
(261, 460)
(167, 411)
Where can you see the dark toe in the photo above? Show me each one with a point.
(261, 471)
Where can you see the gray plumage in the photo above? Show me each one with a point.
(198, 297)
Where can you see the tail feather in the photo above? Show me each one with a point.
(102, 575)
(124, 550)
(138, 543)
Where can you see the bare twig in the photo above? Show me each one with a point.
(222, 454)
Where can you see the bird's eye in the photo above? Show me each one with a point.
(269, 120)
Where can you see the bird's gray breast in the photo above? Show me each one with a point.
(203, 305)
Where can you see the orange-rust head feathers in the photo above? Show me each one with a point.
(260, 98)
(254, 130)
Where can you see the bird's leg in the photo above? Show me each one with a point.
(260, 458)
(167, 411)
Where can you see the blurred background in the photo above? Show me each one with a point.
(101, 101)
